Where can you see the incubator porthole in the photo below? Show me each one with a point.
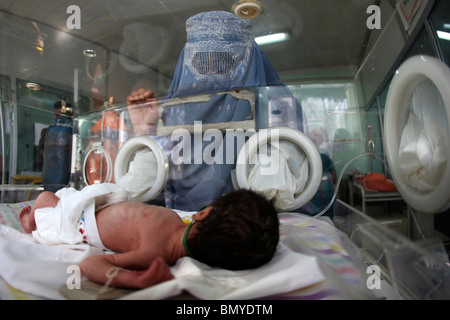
(128, 153)
(98, 166)
(416, 133)
(298, 142)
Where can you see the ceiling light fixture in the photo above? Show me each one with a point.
(90, 53)
(33, 86)
(248, 9)
(272, 38)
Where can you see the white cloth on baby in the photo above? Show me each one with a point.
(423, 148)
(59, 225)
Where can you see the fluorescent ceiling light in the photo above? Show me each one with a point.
(443, 35)
(272, 38)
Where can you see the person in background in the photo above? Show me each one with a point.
(39, 154)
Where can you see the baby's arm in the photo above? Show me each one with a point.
(131, 274)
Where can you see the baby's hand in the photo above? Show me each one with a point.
(157, 272)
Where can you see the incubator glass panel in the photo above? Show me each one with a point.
(5, 129)
(332, 121)
(440, 19)
(227, 110)
(424, 44)
(98, 138)
(326, 111)
(35, 113)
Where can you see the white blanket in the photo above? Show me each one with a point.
(286, 272)
(41, 270)
(34, 268)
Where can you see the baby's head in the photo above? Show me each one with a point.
(240, 232)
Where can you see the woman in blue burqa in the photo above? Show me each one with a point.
(219, 63)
